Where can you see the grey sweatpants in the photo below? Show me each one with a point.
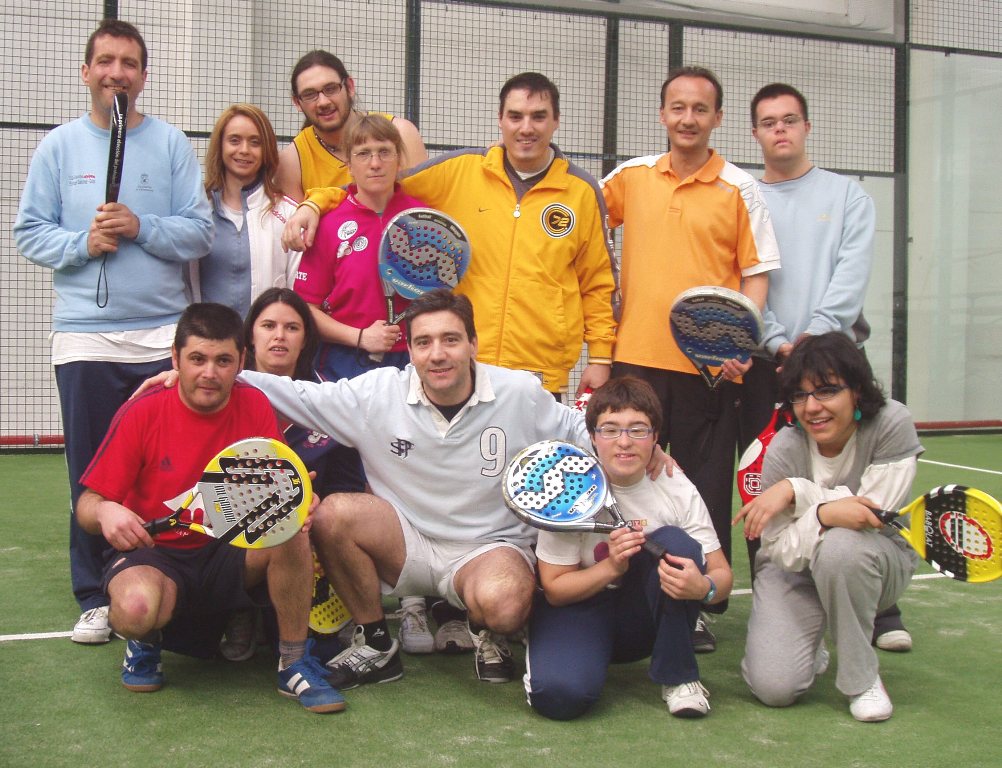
(853, 575)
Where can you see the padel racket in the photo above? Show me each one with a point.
(421, 249)
(253, 494)
(556, 486)
(113, 184)
(712, 325)
(751, 461)
(954, 528)
(327, 612)
(116, 148)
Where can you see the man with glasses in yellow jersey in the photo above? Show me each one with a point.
(325, 93)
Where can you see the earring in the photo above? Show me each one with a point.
(857, 414)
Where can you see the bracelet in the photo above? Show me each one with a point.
(817, 514)
(711, 592)
(311, 205)
(358, 344)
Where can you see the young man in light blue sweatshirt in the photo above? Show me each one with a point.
(825, 226)
(116, 267)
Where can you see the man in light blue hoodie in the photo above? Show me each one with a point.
(116, 267)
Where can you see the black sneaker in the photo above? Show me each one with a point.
(360, 663)
(493, 659)
(703, 640)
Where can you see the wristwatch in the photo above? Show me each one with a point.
(712, 593)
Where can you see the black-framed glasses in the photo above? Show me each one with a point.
(330, 91)
(789, 121)
(820, 394)
(611, 432)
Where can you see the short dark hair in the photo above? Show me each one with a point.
(441, 300)
(115, 28)
(773, 91)
(621, 393)
(826, 359)
(702, 72)
(533, 82)
(317, 58)
(304, 364)
(208, 320)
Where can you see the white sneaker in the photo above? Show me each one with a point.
(453, 637)
(897, 640)
(415, 637)
(687, 699)
(92, 627)
(873, 705)
(821, 660)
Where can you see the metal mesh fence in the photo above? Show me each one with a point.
(438, 63)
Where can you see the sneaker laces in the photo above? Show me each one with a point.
(873, 693)
(685, 689)
(492, 651)
(97, 615)
(415, 621)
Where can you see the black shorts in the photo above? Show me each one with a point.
(210, 586)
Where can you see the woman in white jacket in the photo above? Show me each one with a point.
(826, 561)
(248, 213)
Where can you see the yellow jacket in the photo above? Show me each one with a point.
(542, 272)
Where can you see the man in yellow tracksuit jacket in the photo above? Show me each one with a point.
(542, 277)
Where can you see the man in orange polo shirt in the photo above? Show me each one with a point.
(689, 218)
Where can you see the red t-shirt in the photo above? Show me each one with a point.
(157, 447)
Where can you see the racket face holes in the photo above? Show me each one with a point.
(556, 482)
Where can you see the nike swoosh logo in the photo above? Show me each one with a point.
(481, 210)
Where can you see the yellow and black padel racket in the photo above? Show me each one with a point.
(327, 612)
(956, 529)
(253, 494)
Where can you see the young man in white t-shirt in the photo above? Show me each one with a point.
(604, 600)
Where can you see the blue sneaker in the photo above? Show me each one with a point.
(141, 670)
(305, 680)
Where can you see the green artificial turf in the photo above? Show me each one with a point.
(63, 705)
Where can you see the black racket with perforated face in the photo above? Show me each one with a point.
(712, 325)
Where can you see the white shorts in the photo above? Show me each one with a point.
(431, 565)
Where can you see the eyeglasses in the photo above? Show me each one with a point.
(789, 121)
(610, 432)
(330, 91)
(820, 394)
(365, 155)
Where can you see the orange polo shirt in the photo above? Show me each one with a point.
(711, 228)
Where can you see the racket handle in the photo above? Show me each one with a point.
(582, 402)
(655, 549)
(153, 527)
(885, 515)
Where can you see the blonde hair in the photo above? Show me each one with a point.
(375, 128)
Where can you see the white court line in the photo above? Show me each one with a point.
(50, 635)
(34, 636)
(961, 466)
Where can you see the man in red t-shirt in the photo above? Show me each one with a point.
(155, 449)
